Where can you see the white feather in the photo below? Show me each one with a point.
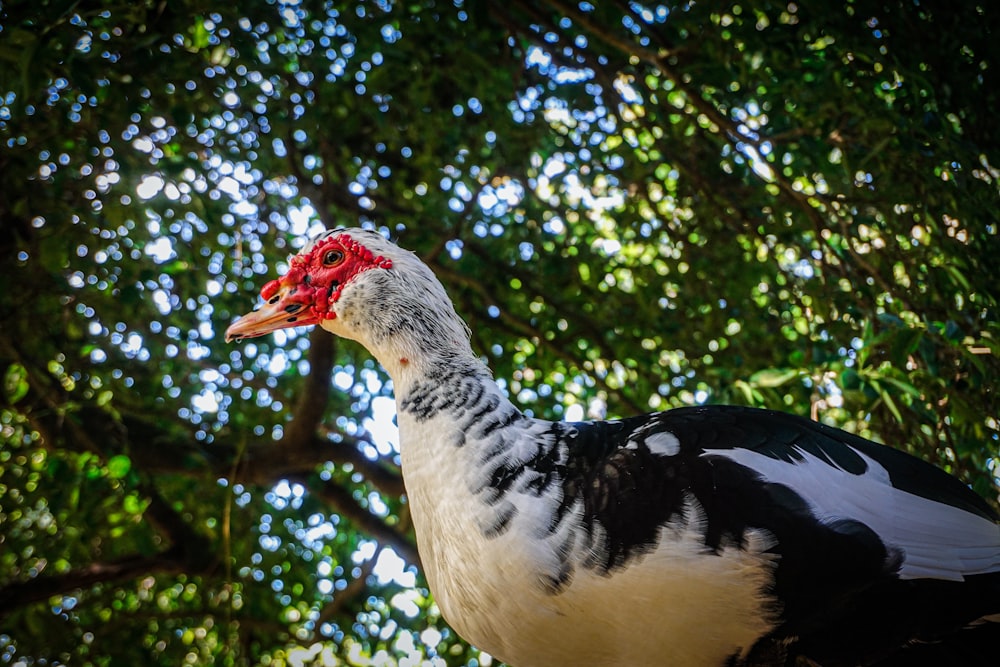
(664, 444)
(694, 607)
(938, 541)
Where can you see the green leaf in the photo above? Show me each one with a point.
(119, 466)
(891, 404)
(774, 377)
(132, 504)
(903, 386)
(905, 343)
(849, 379)
(15, 383)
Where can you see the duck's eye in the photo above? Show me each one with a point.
(333, 257)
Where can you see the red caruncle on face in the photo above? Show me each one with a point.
(316, 279)
(306, 294)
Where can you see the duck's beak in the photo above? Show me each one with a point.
(284, 306)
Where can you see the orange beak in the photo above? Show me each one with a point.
(284, 306)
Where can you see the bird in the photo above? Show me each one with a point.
(706, 535)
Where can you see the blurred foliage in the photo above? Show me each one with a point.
(635, 207)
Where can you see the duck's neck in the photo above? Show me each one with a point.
(448, 404)
(450, 386)
(425, 351)
(452, 412)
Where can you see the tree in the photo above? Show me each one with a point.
(634, 206)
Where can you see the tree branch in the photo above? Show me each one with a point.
(313, 397)
(38, 589)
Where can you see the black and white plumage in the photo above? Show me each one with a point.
(711, 535)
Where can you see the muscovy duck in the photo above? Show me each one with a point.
(702, 536)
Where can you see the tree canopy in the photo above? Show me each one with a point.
(635, 206)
